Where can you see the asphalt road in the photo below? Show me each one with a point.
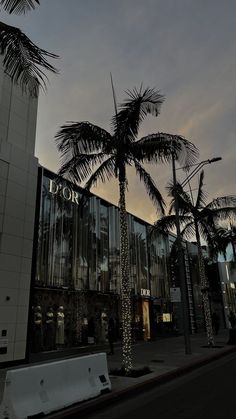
(207, 393)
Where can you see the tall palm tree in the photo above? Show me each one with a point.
(91, 154)
(22, 59)
(199, 219)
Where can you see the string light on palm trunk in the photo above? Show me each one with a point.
(205, 295)
(125, 285)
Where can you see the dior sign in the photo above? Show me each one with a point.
(64, 191)
(145, 292)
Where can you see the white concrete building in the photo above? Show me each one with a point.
(18, 182)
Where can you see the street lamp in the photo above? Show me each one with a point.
(197, 168)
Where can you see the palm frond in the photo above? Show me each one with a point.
(134, 109)
(223, 201)
(151, 188)
(160, 147)
(186, 153)
(222, 214)
(167, 223)
(201, 195)
(164, 224)
(79, 167)
(206, 231)
(221, 238)
(188, 232)
(103, 173)
(184, 200)
(83, 137)
(18, 6)
(23, 59)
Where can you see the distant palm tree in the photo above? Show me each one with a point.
(22, 59)
(199, 219)
(221, 238)
(89, 153)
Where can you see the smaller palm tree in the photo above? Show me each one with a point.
(23, 61)
(222, 238)
(199, 219)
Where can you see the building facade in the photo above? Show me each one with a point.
(77, 270)
(18, 184)
(226, 267)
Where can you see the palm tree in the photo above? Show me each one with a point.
(221, 238)
(91, 154)
(22, 59)
(199, 219)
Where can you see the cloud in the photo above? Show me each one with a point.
(186, 48)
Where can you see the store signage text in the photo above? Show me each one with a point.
(64, 191)
(145, 292)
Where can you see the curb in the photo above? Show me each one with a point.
(89, 406)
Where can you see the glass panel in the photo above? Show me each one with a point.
(54, 267)
(78, 263)
(104, 248)
(138, 255)
(159, 279)
(114, 249)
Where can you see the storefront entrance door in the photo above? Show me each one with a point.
(146, 320)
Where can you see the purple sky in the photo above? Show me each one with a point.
(185, 48)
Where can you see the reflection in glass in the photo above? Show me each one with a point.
(78, 260)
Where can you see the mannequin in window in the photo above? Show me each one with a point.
(60, 335)
(37, 330)
(49, 330)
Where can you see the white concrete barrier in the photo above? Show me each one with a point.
(44, 388)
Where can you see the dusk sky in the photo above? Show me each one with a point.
(184, 48)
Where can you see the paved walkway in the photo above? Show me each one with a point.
(167, 355)
(166, 359)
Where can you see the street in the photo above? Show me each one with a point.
(207, 393)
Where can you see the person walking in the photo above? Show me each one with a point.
(111, 335)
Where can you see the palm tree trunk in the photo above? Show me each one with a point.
(204, 289)
(233, 247)
(125, 283)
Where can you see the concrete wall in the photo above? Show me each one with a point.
(18, 180)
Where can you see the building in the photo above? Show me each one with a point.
(77, 270)
(226, 267)
(18, 182)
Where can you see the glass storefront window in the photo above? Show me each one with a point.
(78, 266)
(159, 277)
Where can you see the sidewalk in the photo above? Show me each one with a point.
(165, 357)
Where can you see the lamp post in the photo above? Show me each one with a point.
(183, 286)
(198, 167)
(181, 267)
